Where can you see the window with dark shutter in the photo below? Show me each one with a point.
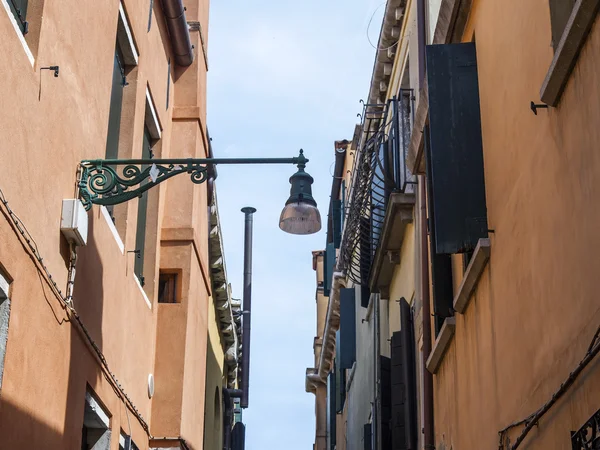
(343, 205)
(386, 402)
(367, 437)
(340, 377)
(168, 81)
(19, 10)
(140, 235)
(116, 104)
(365, 261)
(403, 383)
(441, 264)
(347, 343)
(336, 207)
(331, 411)
(328, 268)
(455, 150)
(150, 14)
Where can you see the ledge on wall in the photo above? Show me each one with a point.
(399, 214)
(441, 345)
(478, 262)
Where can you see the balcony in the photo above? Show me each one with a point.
(382, 193)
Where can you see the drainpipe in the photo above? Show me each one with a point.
(248, 211)
(181, 42)
(426, 313)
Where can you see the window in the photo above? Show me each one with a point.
(347, 343)
(167, 287)
(126, 443)
(124, 60)
(140, 235)
(19, 10)
(95, 433)
(4, 319)
(168, 81)
(150, 14)
(560, 11)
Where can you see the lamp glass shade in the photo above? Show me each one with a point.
(300, 218)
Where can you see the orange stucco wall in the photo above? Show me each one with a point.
(48, 125)
(536, 307)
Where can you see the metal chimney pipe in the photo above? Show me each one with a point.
(247, 304)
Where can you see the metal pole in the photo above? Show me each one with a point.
(247, 306)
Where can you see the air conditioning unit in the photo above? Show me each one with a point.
(74, 221)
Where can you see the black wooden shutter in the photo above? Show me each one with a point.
(343, 205)
(403, 374)
(328, 266)
(441, 264)
(367, 437)
(238, 436)
(340, 377)
(456, 150)
(336, 207)
(331, 413)
(347, 342)
(386, 402)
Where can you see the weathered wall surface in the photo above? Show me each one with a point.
(536, 308)
(48, 126)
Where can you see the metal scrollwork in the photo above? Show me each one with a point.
(102, 184)
(588, 436)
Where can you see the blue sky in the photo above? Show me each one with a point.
(282, 76)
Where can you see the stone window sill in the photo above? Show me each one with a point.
(478, 263)
(576, 31)
(440, 347)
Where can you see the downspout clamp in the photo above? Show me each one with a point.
(181, 42)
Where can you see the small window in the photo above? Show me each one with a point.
(560, 11)
(95, 432)
(167, 287)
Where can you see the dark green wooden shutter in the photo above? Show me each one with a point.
(455, 148)
(347, 342)
(336, 206)
(340, 377)
(168, 81)
(403, 376)
(116, 105)
(367, 437)
(328, 268)
(386, 402)
(140, 235)
(331, 412)
(19, 10)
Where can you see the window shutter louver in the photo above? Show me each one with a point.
(140, 236)
(340, 377)
(347, 342)
(328, 268)
(455, 148)
(403, 376)
(19, 10)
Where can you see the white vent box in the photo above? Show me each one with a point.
(74, 221)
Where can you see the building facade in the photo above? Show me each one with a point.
(466, 227)
(129, 340)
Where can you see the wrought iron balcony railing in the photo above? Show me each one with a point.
(588, 436)
(379, 170)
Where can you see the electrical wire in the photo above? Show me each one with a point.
(67, 302)
(376, 47)
(533, 419)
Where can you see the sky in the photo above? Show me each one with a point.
(282, 76)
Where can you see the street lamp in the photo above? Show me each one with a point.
(101, 183)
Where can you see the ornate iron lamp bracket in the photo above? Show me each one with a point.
(588, 436)
(114, 181)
